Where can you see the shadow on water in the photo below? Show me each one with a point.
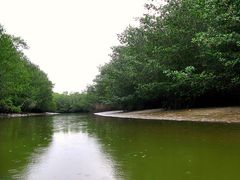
(20, 138)
(170, 150)
(81, 146)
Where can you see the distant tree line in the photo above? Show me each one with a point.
(23, 86)
(185, 53)
(74, 102)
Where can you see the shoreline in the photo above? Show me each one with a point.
(219, 114)
(12, 115)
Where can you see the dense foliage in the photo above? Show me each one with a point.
(23, 86)
(184, 53)
(74, 102)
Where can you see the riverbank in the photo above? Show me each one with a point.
(27, 114)
(223, 114)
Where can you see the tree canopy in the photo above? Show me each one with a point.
(183, 54)
(23, 86)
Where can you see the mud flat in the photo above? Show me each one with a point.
(223, 114)
(28, 114)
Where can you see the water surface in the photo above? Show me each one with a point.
(81, 146)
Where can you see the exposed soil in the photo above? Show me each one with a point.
(223, 114)
(27, 114)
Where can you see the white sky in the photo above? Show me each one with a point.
(69, 39)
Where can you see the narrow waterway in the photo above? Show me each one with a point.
(85, 147)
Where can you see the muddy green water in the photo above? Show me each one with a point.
(79, 147)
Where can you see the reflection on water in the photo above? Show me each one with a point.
(75, 154)
(79, 147)
(68, 152)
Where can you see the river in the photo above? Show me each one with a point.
(85, 147)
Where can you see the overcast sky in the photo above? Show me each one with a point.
(69, 39)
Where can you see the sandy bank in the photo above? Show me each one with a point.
(27, 114)
(225, 114)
